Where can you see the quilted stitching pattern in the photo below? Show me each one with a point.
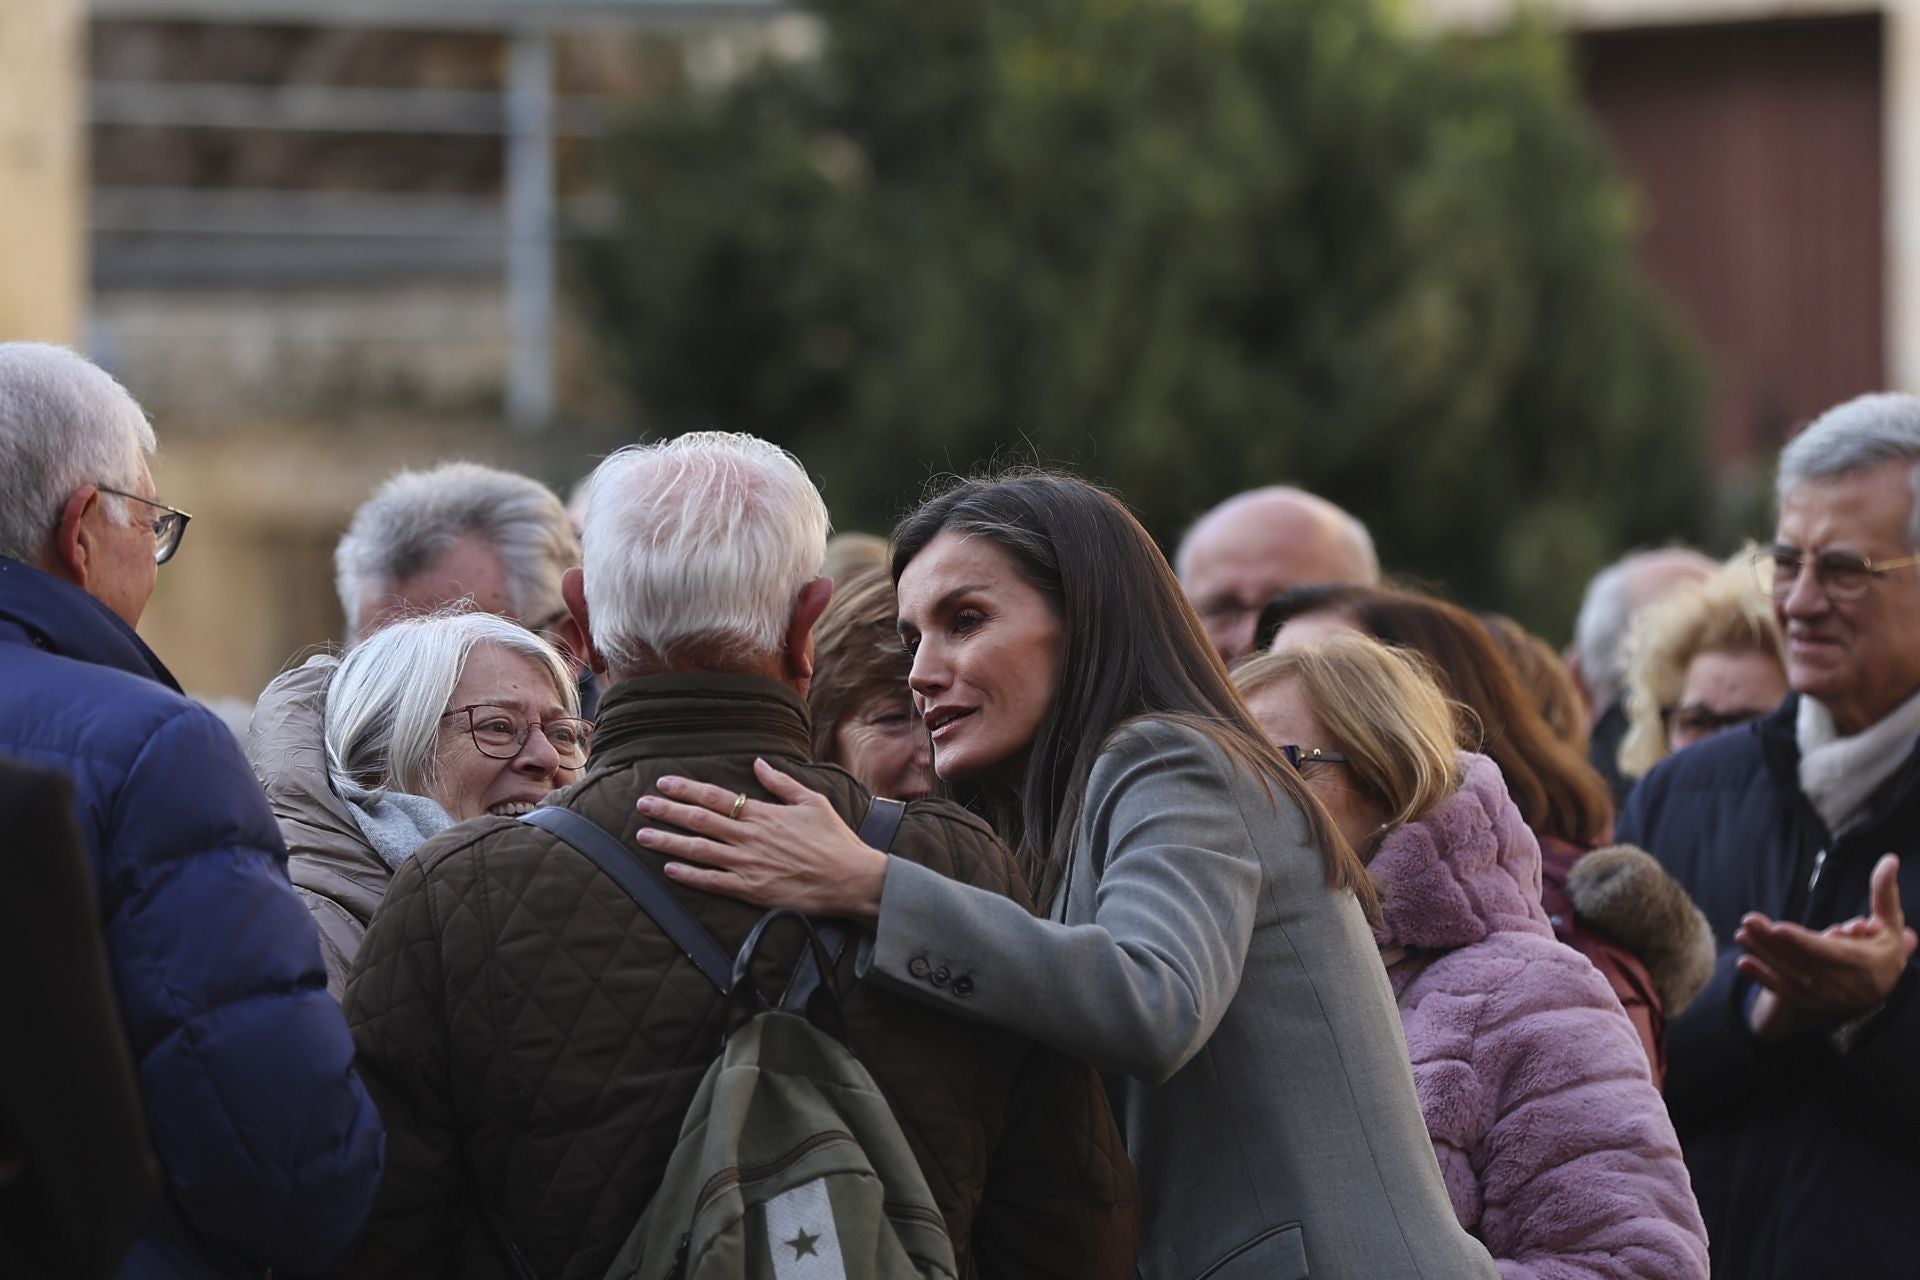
(518, 1012)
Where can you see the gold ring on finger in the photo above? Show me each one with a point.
(739, 805)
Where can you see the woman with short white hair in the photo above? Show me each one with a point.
(426, 723)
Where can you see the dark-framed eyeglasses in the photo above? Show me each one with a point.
(1842, 575)
(501, 733)
(168, 527)
(1703, 721)
(1299, 757)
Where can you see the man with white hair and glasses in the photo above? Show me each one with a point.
(503, 953)
(1792, 1077)
(269, 1148)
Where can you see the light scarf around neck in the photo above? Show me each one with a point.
(396, 823)
(1839, 774)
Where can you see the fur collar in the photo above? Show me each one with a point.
(1466, 868)
(1628, 897)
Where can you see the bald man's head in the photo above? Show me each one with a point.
(1257, 544)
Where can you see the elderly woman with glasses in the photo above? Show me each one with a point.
(424, 724)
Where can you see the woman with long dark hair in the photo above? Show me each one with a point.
(1208, 941)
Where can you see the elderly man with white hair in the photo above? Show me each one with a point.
(1257, 544)
(504, 954)
(269, 1147)
(1792, 1077)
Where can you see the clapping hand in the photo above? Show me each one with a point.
(1810, 979)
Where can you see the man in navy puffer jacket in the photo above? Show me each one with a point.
(269, 1147)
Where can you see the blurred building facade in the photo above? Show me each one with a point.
(1775, 149)
(328, 241)
(42, 170)
(323, 239)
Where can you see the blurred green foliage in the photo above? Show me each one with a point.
(1185, 246)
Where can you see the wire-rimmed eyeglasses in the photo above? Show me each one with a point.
(501, 733)
(168, 527)
(1841, 574)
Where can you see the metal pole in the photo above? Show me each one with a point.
(530, 222)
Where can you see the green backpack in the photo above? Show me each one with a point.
(790, 1164)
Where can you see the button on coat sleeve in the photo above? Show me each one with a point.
(1139, 988)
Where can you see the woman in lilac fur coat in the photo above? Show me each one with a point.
(1554, 1145)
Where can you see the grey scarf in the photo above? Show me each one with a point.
(396, 823)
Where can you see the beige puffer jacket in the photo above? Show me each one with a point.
(334, 870)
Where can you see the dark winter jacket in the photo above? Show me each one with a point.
(269, 1147)
(1806, 1155)
(535, 1040)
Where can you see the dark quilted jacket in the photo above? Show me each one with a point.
(535, 1040)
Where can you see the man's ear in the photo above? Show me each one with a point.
(799, 648)
(572, 630)
(74, 547)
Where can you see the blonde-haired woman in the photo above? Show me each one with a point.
(1554, 1145)
(1706, 657)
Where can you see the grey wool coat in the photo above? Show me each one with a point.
(1239, 1007)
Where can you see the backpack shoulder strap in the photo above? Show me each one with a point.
(645, 886)
(882, 823)
(877, 831)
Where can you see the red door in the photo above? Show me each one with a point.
(1756, 148)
